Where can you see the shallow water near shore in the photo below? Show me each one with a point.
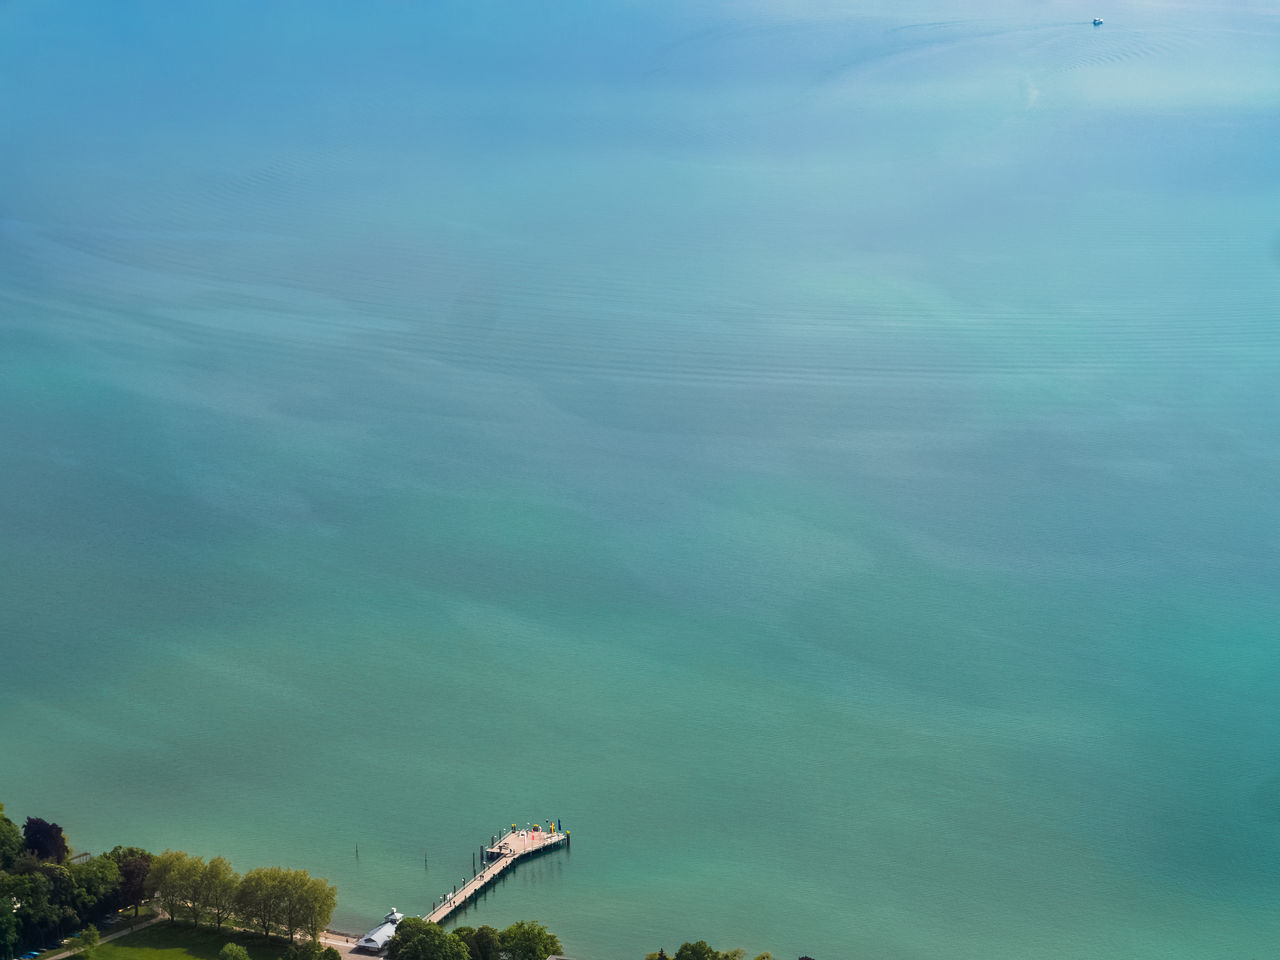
(825, 457)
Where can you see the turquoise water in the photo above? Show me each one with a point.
(824, 455)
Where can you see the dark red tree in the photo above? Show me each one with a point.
(46, 840)
(133, 881)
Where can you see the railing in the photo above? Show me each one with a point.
(490, 871)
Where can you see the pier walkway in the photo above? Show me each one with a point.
(509, 848)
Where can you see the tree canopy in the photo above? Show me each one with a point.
(10, 841)
(220, 883)
(189, 878)
(292, 900)
(257, 901)
(416, 939)
(701, 950)
(95, 885)
(134, 864)
(85, 943)
(526, 940)
(321, 901)
(44, 896)
(46, 840)
(167, 881)
(484, 944)
(8, 924)
(310, 950)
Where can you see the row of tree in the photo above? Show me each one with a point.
(417, 939)
(700, 950)
(46, 894)
(270, 899)
(302, 950)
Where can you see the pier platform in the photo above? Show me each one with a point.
(502, 854)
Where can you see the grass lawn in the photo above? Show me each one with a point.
(127, 921)
(179, 941)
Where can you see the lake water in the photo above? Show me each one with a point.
(825, 454)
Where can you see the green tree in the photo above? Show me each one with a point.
(220, 883)
(62, 894)
(293, 896)
(165, 878)
(96, 886)
(406, 930)
(465, 934)
(321, 900)
(134, 865)
(8, 920)
(25, 862)
(258, 898)
(310, 950)
(85, 943)
(191, 887)
(526, 940)
(416, 939)
(10, 841)
(484, 944)
(35, 911)
(700, 950)
(43, 901)
(233, 951)
(304, 903)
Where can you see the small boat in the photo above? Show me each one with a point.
(1097, 21)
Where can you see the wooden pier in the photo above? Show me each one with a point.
(507, 849)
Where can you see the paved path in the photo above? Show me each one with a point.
(344, 945)
(110, 936)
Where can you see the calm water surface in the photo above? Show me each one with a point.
(824, 454)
